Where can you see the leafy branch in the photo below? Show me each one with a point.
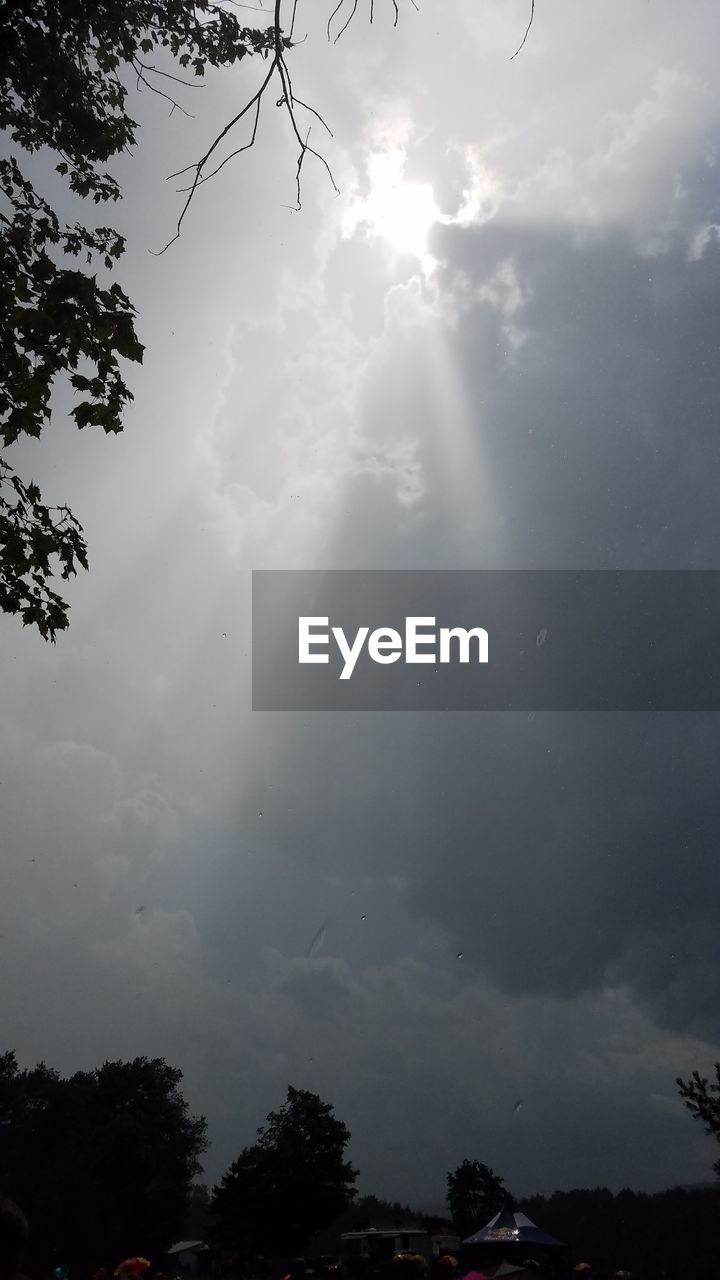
(63, 67)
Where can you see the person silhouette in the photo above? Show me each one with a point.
(14, 1236)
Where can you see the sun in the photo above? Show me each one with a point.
(403, 215)
(399, 212)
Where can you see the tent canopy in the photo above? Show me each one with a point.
(509, 1227)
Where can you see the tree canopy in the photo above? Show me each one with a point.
(475, 1194)
(291, 1183)
(102, 1161)
(67, 70)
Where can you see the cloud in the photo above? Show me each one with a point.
(542, 395)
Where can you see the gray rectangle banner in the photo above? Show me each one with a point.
(486, 640)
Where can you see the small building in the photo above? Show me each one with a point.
(187, 1255)
(380, 1246)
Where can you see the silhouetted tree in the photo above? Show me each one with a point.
(702, 1099)
(474, 1195)
(102, 1162)
(291, 1183)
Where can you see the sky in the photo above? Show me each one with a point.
(496, 347)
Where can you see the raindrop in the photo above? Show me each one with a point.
(363, 917)
(531, 715)
(139, 910)
(318, 940)
(260, 813)
(541, 637)
(460, 955)
(518, 1106)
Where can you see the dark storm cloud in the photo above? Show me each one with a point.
(603, 435)
(562, 854)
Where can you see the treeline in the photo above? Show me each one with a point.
(105, 1165)
(668, 1234)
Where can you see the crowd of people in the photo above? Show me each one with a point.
(14, 1245)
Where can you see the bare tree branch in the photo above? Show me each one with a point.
(353, 11)
(304, 148)
(232, 155)
(213, 147)
(187, 84)
(337, 9)
(527, 31)
(137, 67)
(315, 113)
(278, 68)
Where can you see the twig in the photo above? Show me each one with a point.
(337, 9)
(527, 31)
(213, 147)
(232, 154)
(316, 114)
(153, 89)
(353, 11)
(187, 84)
(287, 99)
(303, 144)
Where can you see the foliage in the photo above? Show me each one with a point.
(64, 72)
(702, 1099)
(31, 534)
(102, 1161)
(290, 1184)
(475, 1194)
